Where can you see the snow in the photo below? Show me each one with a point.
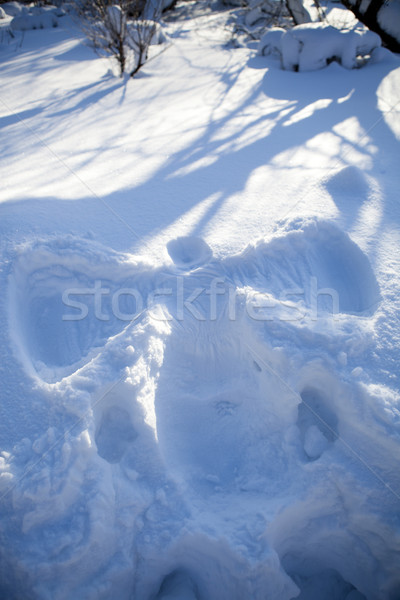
(313, 46)
(389, 18)
(139, 31)
(35, 18)
(270, 42)
(299, 11)
(199, 322)
(115, 18)
(177, 586)
(189, 251)
(12, 8)
(315, 443)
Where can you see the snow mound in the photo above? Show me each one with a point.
(389, 18)
(35, 18)
(313, 46)
(12, 8)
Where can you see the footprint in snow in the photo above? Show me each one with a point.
(177, 586)
(114, 434)
(317, 423)
(189, 252)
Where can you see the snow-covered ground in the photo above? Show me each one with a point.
(199, 318)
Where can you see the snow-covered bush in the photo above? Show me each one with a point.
(313, 46)
(389, 19)
(12, 9)
(259, 11)
(270, 43)
(250, 22)
(253, 16)
(35, 18)
(381, 16)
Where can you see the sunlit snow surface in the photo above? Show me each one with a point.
(199, 323)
